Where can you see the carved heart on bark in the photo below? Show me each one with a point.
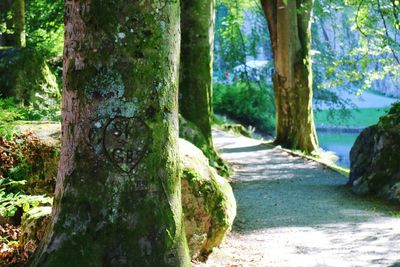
(126, 141)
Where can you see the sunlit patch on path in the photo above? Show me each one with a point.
(295, 212)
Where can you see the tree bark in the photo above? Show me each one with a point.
(13, 15)
(290, 30)
(195, 88)
(117, 200)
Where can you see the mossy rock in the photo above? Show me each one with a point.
(374, 158)
(25, 75)
(208, 202)
(192, 133)
(236, 128)
(33, 226)
(38, 152)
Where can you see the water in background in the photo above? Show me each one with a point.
(340, 143)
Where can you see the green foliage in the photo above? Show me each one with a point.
(247, 100)
(22, 159)
(369, 35)
(25, 76)
(232, 44)
(235, 44)
(45, 27)
(247, 103)
(10, 202)
(11, 111)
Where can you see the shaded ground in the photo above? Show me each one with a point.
(295, 212)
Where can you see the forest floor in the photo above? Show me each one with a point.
(296, 212)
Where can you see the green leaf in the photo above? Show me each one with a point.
(25, 206)
(11, 211)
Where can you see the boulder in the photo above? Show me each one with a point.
(33, 226)
(208, 202)
(374, 158)
(192, 133)
(236, 128)
(25, 76)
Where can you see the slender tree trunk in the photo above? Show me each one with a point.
(195, 88)
(290, 30)
(19, 23)
(13, 15)
(117, 199)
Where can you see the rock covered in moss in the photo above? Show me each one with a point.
(31, 156)
(25, 75)
(192, 133)
(236, 128)
(374, 158)
(33, 226)
(208, 202)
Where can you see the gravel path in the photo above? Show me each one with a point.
(295, 212)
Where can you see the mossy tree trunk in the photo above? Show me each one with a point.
(117, 200)
(195, 88)
(289, 24)
(13, 15)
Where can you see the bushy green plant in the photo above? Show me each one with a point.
(249, 104)
(22, 164)
(45, 27)
(10, 202)
(10, 111)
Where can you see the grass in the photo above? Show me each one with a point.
(353, 118)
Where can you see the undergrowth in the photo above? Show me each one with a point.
(22, 169)
(11, 111)
(250, 104)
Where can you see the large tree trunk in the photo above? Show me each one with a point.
(290, 30)
(117, 197)
(13, 15)
(195, 88)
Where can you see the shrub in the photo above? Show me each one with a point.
(22, 166)
(248, 103)
(11, 111)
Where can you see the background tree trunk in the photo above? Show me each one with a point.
(118, 191)
(195, 88)
(13, 15)
(290, 30)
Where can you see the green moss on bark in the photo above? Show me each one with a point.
(195, 87)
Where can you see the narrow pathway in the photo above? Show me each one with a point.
(295, 212)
